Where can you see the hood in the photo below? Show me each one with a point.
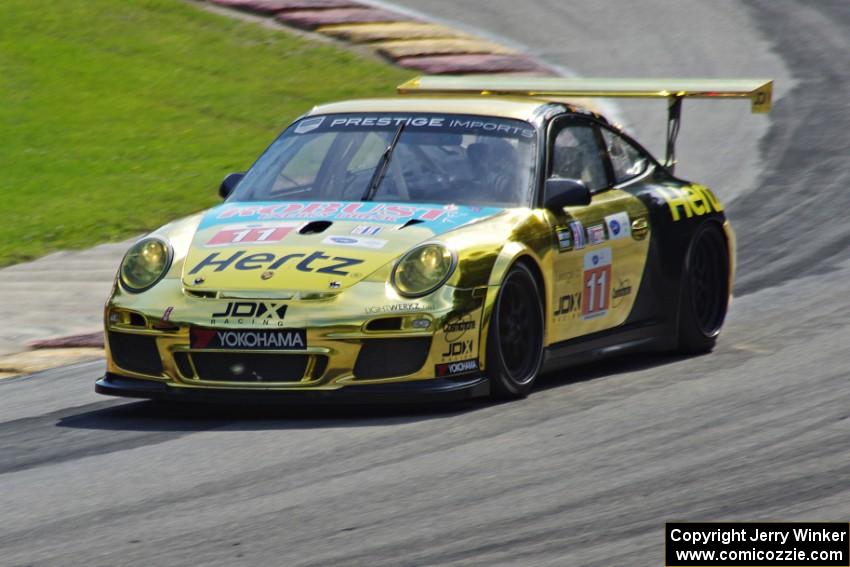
(310, 246)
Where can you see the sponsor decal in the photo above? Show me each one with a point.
(277, 339)
(596, 291)
(567, 276)
(315, 262)
(396, 307)
(367, 212)
(596, 234)
(250, 313)
(250, 234)
(508, 128)
(578, 234)
(458, 348)
(456, 326)
(309, 124)
(164, 320)
(452, 211)
(569, 303)
(492, 126)
(384, 121)
(455, 368)
(331, 210)
(623, 288)
(366, 229)
(565, 239)
(355, 241)
(619, 225)
(687, 202)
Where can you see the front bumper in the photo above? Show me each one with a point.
(423, 391)
(361, 345)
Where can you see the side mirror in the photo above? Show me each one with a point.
(229, 184)
(559, 193)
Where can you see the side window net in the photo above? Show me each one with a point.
(575, 155)
(627, 161)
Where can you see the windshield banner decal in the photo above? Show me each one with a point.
(450, 216)
(459, 124)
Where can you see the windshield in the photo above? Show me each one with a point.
(451, 159)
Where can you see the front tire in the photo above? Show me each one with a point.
(515, 338)
(705, 290)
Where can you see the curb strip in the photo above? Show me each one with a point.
(426, 47)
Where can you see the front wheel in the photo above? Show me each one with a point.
(705, 290)
(515, 339)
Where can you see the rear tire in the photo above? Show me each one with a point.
(515, 338)
(705, 290)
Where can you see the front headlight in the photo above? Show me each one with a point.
(144, 264)
(423, 269)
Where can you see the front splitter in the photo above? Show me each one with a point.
(421, 391)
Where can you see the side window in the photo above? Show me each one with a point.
(575, 155)
(626, 159)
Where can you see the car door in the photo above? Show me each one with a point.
(600, 249)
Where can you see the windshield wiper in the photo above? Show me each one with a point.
(383, 165)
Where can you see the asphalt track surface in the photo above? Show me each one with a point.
(583, 472)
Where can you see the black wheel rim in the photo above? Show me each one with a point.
(520, 329)
(709, 282)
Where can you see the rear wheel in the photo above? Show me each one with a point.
(515, 339)
(705, 290)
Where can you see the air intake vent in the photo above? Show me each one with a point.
(255, 367)
(199, 293)
(136, 353)
(136, 320)
(385, 324)
(385, 358)
(411, 222)
(315, 227)
(183, 364)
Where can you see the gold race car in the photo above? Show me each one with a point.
(452, 242)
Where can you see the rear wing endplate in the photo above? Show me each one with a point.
(758, 91)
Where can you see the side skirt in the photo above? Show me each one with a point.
(644, 337)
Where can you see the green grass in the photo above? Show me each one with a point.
(119, 115)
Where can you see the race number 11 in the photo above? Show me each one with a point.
(596, 294)
(249, 234)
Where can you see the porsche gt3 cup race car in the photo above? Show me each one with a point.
(449, 243)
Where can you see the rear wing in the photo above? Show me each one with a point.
(758, 91)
